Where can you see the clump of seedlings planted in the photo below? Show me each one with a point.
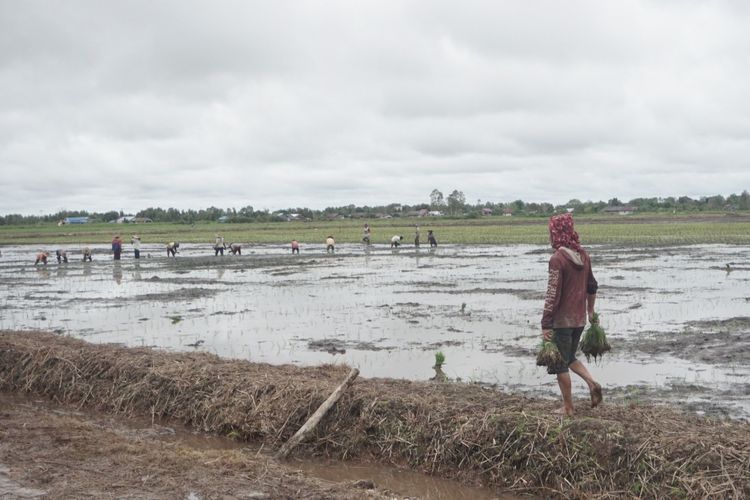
(594, 341)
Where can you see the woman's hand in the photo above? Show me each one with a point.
(547, 334)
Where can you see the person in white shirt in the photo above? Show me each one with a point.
(136, 242)
(330, 244)
(396, 241)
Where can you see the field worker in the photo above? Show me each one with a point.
(86, 254)
(295, 247)
(235, 248)
(330, 244)
(136, 242)
(117, 246)
(396, 241)
(366, 234)
(431, 238)
(416, 235)
(219, 245)
(172, 248)
(41, 257)
(62, 256)
(571, 293)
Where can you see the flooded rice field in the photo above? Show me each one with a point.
(678, 318)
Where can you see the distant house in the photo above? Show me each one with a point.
(125, 219)
(621, 210)
(507, 212)
(141, 220)
(223, 219)
(435, 213)
(486, 211)
(424, 212)
(76, 220)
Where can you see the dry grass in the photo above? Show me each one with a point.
(455, 430)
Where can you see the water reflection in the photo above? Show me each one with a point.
(117, 272)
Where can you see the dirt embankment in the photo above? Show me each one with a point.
(509, 442)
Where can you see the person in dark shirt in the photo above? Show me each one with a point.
(431, 238)
(117, 246)
(571, 293)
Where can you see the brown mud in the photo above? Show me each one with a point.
(709, 341)
(59, 452)
(512, 443)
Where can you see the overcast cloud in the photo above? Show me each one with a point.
(126, 105)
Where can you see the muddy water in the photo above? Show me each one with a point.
(388, 312)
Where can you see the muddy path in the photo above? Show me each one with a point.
(52, 451)
(389, 312)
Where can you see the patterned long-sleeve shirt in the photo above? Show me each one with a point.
(569, 283)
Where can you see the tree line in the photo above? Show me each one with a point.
(453, 205)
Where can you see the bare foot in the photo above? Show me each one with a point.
(563, 411)
(596, 395)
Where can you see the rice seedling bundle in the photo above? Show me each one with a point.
(550, 357)
(594, 342)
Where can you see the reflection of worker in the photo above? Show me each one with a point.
(117, 246)
(62, 256)
(571, 293)
(86, 254)
(431, 238)
(396, 241)
(136, 241)
(219, 245)
(235, 249)
(172, 248)
(295, 247)
(41, 257)
(117, 273)
(416, 235)
(330, 244)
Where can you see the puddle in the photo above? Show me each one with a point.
(387, 313)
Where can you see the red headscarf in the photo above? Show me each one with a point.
(562, 233)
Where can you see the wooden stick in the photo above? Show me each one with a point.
(317, 416)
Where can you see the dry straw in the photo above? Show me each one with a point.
(456, 430)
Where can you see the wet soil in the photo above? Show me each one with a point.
(669, 312)
(59, 452)
(709, 341)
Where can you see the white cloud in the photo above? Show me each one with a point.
(273, 104)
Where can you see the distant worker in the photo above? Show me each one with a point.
(62, 256)
(136, 242)
(396, 241)
(172, 248)
(330, 244)
(235, 248)
(366, 234)
(295, 247)
(41, 257)
(431, 238)
(219, 245)
(86, 254)
(117, 246)
(416, 235)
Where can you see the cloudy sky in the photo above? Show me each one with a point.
(125, 105)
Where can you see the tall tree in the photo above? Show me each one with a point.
(436, 199)
(456, 202)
